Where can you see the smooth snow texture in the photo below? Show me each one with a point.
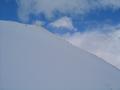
(33, 59)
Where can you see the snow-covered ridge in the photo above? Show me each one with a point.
(31, 58)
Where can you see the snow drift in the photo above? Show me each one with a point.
(31, 58)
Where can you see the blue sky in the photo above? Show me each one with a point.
(9, 11)
(88, 24)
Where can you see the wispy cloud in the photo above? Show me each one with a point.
(64, 22)
(105, 45)
(27, 7)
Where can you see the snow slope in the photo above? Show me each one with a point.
(33, 59)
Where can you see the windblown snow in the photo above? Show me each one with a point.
(31, 58)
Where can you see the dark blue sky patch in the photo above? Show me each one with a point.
(8, 10)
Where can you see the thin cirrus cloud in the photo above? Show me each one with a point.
(105, 45)
(47, 7)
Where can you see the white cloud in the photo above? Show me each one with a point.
(104, 45)
(27, 7)
(24, 9)
(115, 4)
(64, 22)
(38, 23)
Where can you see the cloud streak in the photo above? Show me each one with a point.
(48, 7)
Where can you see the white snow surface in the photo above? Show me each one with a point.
(31, 58)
